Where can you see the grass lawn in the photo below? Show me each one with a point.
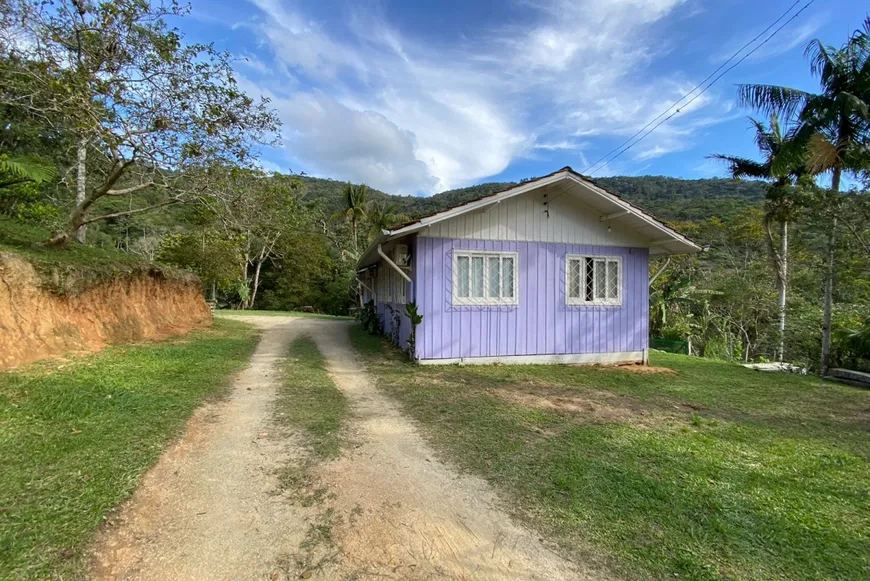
(75, 437)
(281, 314)
(714, 471)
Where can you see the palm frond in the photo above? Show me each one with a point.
(770, 99)
(765, 140)
(854, 105)
(742, 167)
(821, 154)
(790, 158)
(823, 59)
(28, 168)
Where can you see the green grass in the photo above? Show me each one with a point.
(715, 472)
(75, 437)
(281, 314)
(309, 400)
(76, 267)
(310, 406)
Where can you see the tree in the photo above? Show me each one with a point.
(383, 215)
(258, 210)
(207, 253)
(156, 113)
(354, 210)
(833, 134)
(783, 172)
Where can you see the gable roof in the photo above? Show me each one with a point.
(663, 239)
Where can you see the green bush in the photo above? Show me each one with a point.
(369, 318)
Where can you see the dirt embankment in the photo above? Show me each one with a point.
(36, 323)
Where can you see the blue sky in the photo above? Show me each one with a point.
(419, 97)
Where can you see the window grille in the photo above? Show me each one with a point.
(485, 278)
(399, 284)
(384, 295)
(593, 280)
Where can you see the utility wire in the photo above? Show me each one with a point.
(589, 170)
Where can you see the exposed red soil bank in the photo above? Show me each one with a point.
(36, 323)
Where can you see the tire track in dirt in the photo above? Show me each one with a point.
(211, 507)
(403, 514)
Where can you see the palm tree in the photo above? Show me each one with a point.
(782, 172)
(354, 198)
(834, 129)
(383, 216)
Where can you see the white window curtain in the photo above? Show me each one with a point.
(593, 280)
(485, 278)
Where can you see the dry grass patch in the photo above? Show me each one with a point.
(645, 369)
(582, 407)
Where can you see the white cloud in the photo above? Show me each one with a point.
(563, 145)
(336, 140)
(374, 105)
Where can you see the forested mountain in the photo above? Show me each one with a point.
(667, 198)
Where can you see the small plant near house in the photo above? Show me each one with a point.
(415, 318)
(369, 318)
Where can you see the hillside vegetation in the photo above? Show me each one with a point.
(666, 197)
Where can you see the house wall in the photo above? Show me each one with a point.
(543, 215)
(542, 324)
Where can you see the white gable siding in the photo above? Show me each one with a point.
(524, 218)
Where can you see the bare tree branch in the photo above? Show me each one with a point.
(131, 212)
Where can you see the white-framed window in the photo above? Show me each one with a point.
(593, 280)
(485, 278)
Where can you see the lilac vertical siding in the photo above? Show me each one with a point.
(542, 324)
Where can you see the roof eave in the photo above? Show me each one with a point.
(637, 212)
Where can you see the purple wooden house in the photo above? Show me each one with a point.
(554, 270)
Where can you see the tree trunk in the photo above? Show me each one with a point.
(829, 278)
(256, 283)
(353, 235)
(782, 276)
(75, 229)
(243, 304)
(81, 185)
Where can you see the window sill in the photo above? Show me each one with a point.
(485, 304)
(593, 304)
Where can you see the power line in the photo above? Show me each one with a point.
(591, 171)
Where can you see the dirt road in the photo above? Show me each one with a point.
(208, 509)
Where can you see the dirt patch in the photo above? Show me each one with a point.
(604, 408)
(640, 369)
(647, 369)
(37, 324)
